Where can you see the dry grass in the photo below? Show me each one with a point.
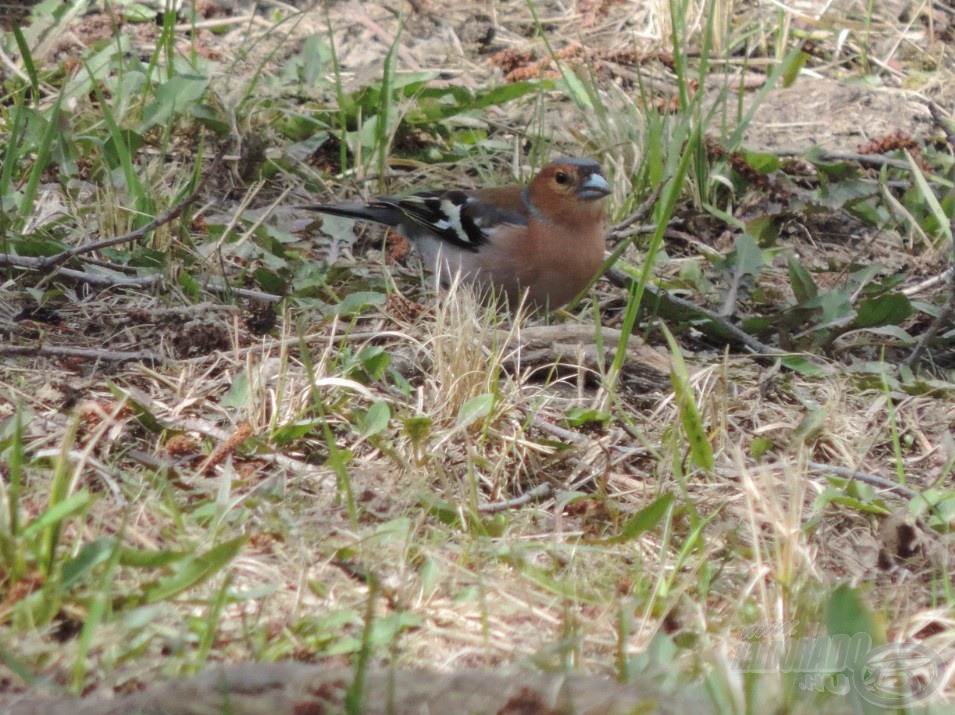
(277, 438)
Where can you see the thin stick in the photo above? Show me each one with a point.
(625, 229)
(169, 216)
(104, 280)
(871, 479)
(621, 279)
(87, 353)
(541, 491)
(876, 160)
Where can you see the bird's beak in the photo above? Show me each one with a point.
(595, 187)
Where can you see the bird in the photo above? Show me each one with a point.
(541, 242)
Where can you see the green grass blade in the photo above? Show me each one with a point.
(385, 110)
(779, 70)
(668, 198)
(27, 57)
(133, 183)
(194, 569)
(43, 155)
(700, 448)
(97, 612)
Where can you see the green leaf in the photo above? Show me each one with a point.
(417, 428)
(238, 393)
(758, 446)
(151, 558)
(446, 512)
(746, 257)
(92, 554)
(644, 520)
(375, 420)
(928, 195)
(173, 97)
(889, 309)
(26, 56)
(58, 512)
(762, 162)
(193, 570)
(700, 448)
(358, 302)
(292, 431)
(847, 614)
(374, 359)
(581, 416)
(810, 426)
(792, 70)
(475, 409)
(804, 287)
(891, 331)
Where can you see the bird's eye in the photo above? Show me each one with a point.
(561, 178)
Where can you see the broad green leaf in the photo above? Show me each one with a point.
(375, 420)
(475, 409)
(238, 393)
(804, 365)
(358, 302)
(762, 162)
(888, 309)
(746, 257)
(292, 431)
(173, 97)
(847, 614)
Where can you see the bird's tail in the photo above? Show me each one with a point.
(387, 215)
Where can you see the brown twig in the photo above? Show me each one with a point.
(943, 318)
(876, 160)
(665, 299)
(625, 228)
(88, 353)
(541, 491)
(382, 35)
(97, 279)
(871, 479)
(104, 280)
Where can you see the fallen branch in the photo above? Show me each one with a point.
(677, 307)
(104, 280)
(541, 491)
(65, 351)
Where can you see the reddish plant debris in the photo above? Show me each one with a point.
(242, 432)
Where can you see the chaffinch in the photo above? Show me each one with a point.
(544, 238)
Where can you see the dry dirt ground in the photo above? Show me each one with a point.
(477, 613)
